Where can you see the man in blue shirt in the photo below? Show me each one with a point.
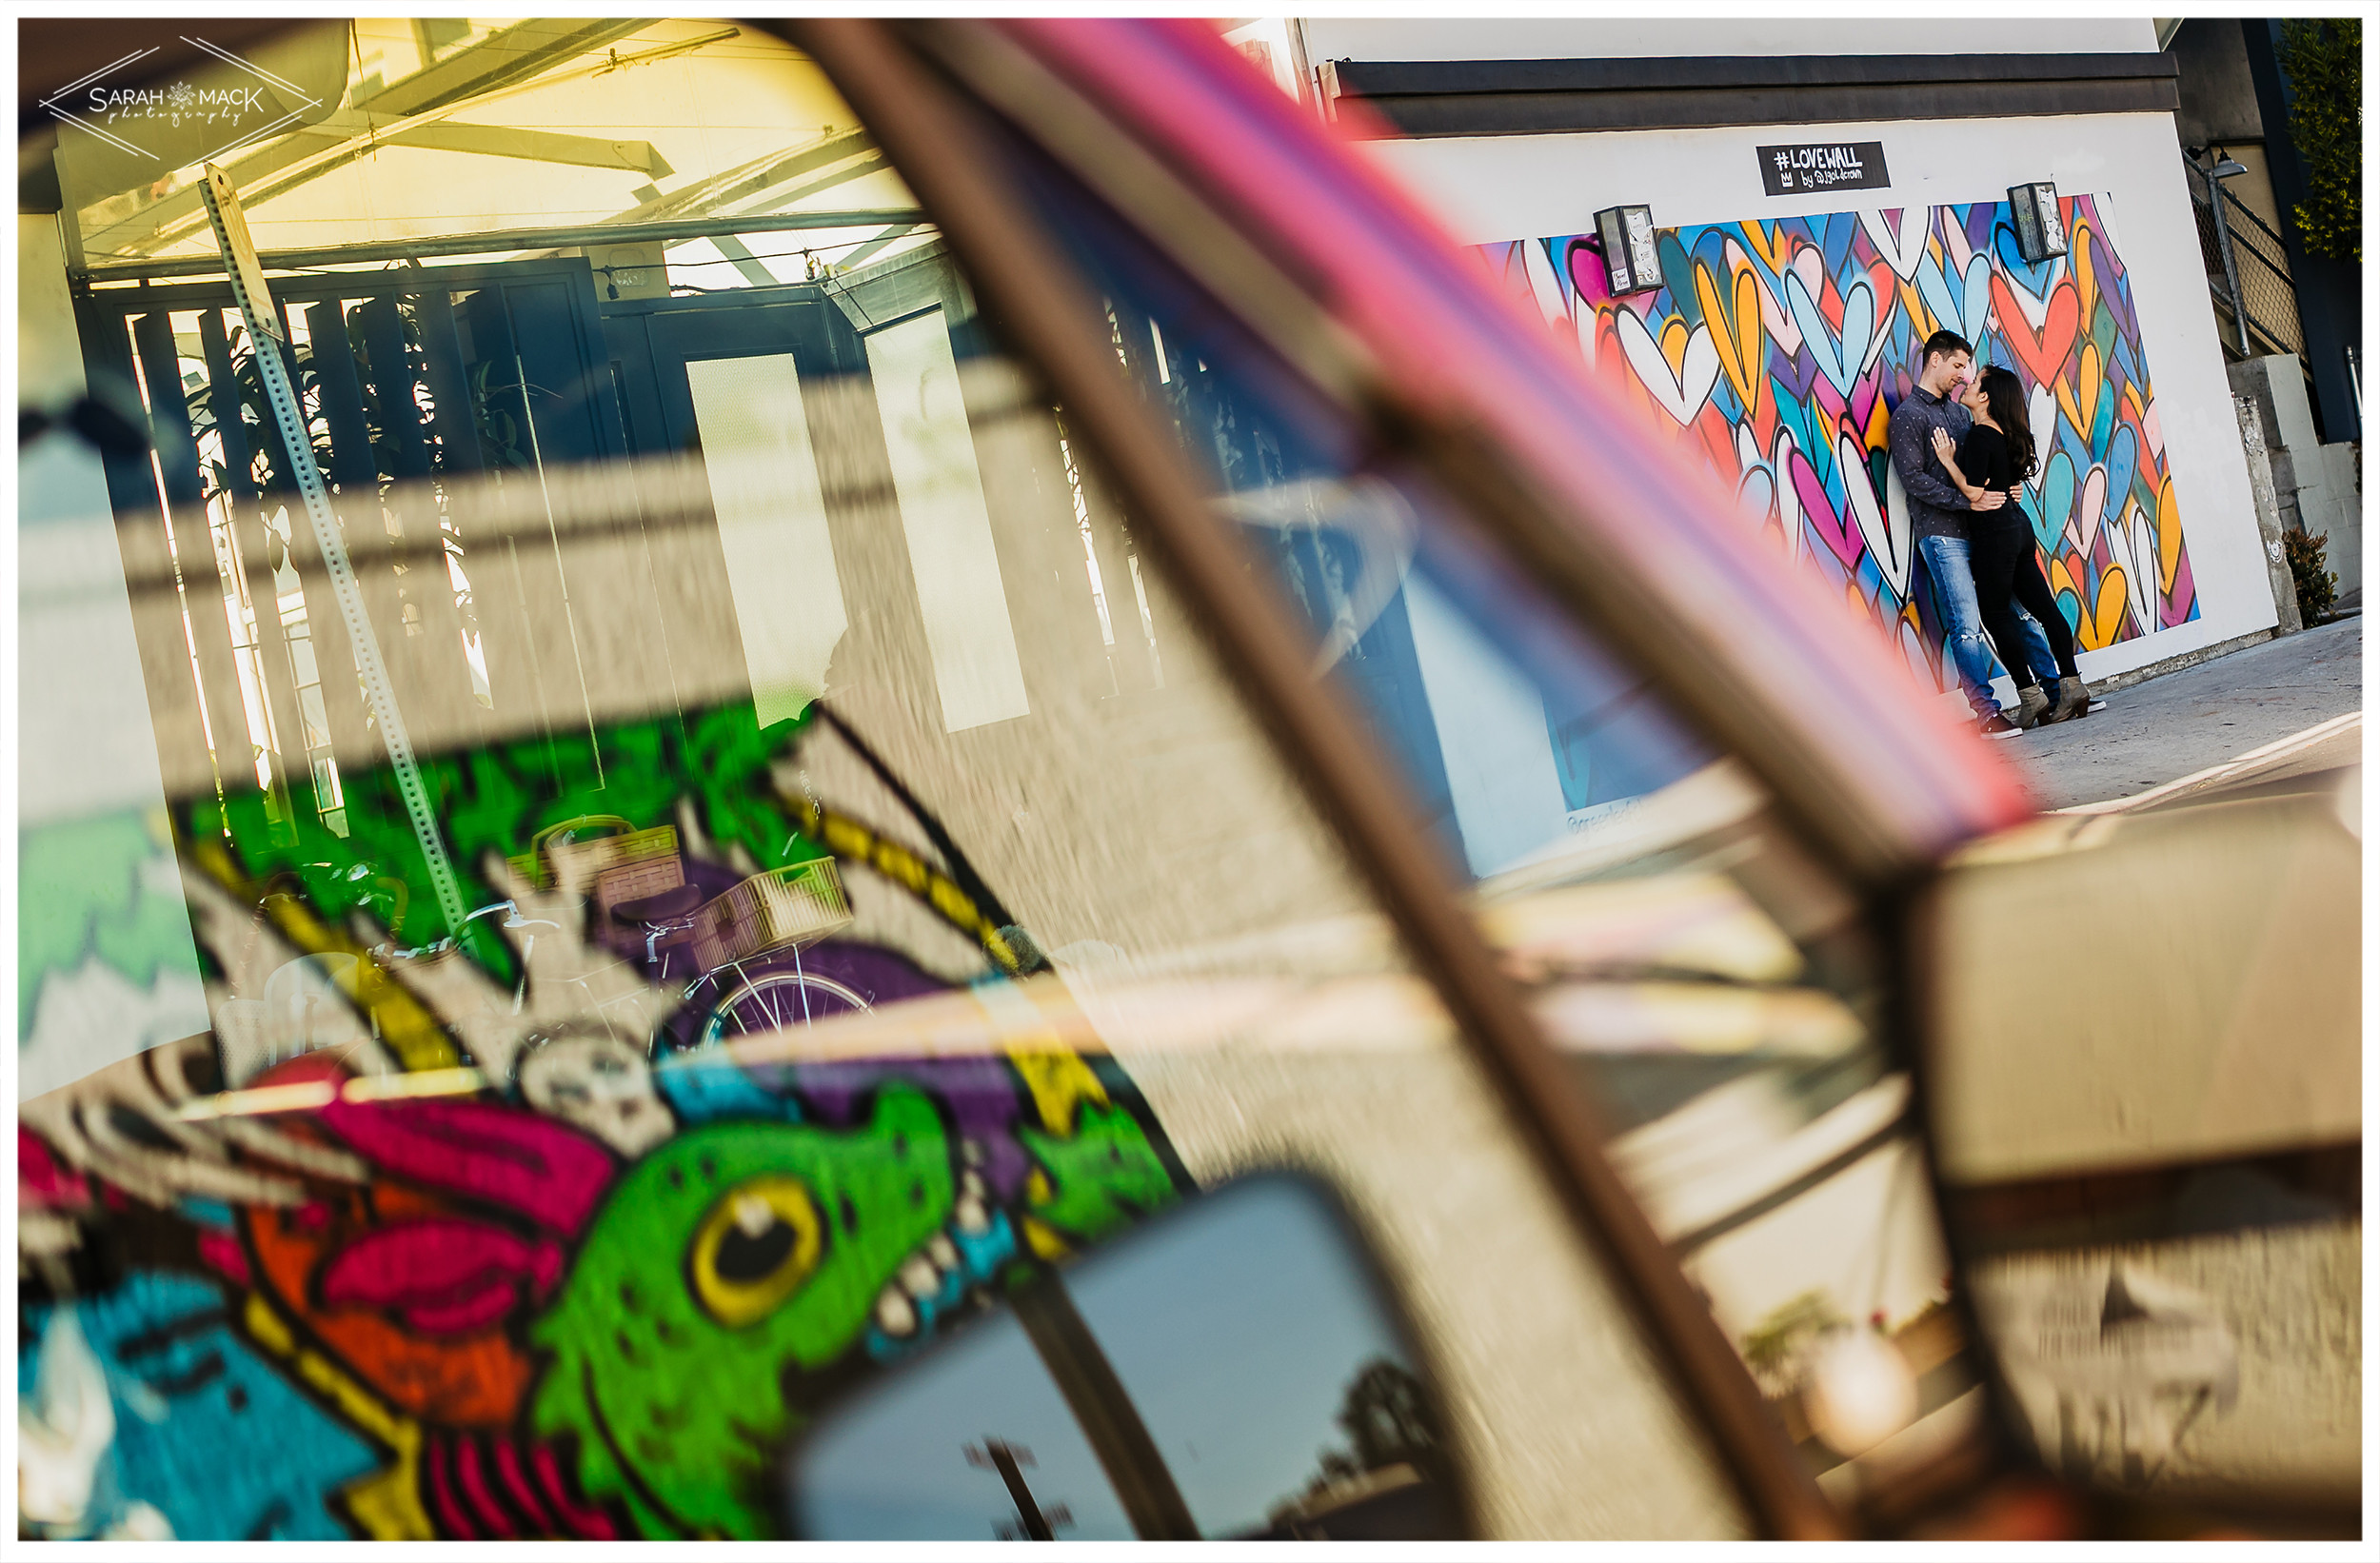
(1937, 518)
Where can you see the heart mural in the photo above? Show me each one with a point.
(1841, 357)
(1812, 325)
(1965, 310)
(1681, 391)
(1899, 237)
(1837, 530)
(2041, 346)
(1888, 538)
(1734, 330)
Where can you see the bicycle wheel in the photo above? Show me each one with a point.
(776, 1000)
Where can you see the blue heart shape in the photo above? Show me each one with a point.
(1793, 409)
(1835, 240)
(1935, 288)
(2104, 419)
(1965, 312)
(2033, 278)
(2070, 441)
(1841, 359)
(2058, 501)
(1678, 279)
(2123, 465)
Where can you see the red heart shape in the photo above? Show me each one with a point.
(2043, 356)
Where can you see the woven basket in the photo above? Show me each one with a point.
(785, 908)
(578, 864)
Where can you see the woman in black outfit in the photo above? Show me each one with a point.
(1997, 455)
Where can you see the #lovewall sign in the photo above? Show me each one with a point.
(1778, 350)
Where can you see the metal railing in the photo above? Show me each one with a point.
(2255, 299)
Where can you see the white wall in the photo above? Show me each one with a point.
(1631, 38)
(1502, 187)
(91, 842)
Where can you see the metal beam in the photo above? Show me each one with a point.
(504, 242)
(533, 145)
(491, 65)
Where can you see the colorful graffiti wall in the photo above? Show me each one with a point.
(1778, 350)
(594, 1288)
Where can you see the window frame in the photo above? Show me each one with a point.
(930, 131)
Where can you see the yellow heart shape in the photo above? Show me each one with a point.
(2089, 385)
(1769, 242)
(1675, 336)
(1914, 306)
(2066, 404)
(1738, 340)
(2086, 280)
(2108, 618)
(2062, 580)
(2169, 537)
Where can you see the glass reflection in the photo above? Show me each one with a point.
(1718, 991)
(1229, 1372)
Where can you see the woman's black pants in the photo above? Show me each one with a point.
(2005, 569)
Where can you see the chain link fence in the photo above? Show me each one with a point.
(2259, 259)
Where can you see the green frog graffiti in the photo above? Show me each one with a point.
(726, 1266)
(594, 1291)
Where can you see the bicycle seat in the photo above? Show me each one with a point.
(666, 907)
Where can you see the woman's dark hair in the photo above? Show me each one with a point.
(2006, 399)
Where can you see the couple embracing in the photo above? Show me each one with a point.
(1962, 447)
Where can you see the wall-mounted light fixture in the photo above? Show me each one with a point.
(1632, 255)
(2040, 235)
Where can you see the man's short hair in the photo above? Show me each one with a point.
(1943, 344)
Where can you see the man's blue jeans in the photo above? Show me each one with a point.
(1948, 561)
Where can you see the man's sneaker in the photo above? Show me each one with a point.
(2033, 702)
(1996, 726)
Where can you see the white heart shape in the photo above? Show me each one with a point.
(1756, 497)
(1776, 318)
(1544, 284)
(1585, 322)
(2041, 416)
(1683, 395)
(1902, 250)
(2088, 510)
(2104, 204)
(2156, 431)
(1747, 449)
(1885, 529)
(2140, 575)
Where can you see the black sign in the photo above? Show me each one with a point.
(1824, 166)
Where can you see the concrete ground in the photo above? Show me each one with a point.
(2179, 724)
